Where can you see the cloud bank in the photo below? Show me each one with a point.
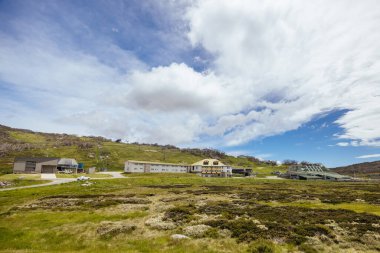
(267, 68)
(368, 156)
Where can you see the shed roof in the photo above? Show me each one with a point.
(157, 163)
(67, 161)
(35, 159)
(310, 176)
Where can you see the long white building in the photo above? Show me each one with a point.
(154, 167)
(206, 167)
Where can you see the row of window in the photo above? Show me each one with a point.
(159, 165)
(152, 169)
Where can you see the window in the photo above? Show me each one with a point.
(205, 162)
(30, 166)
(215, 163)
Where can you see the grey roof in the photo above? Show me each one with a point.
(68, 162)
(310, 176)
(35, 159)
(315, 171)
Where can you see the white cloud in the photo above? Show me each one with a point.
(368, 156)
(297, 59)
(343, 144)
(275, 65)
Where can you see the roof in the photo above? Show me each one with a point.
(67, 161)
(324, 174)
(310, 176)
(134, 161)
(335, 175)
(199, 163)
(36, 159)
(210, 163)
(307, 168)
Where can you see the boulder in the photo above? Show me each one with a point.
(179, 237)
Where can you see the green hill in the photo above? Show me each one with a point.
(101, 152)
(367, 169)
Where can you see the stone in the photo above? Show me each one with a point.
(179, 237)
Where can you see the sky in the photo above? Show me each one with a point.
(271, 79)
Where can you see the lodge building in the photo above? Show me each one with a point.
(205, 168)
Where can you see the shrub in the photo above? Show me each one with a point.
(212, 233)
(307, 249)
(181, 214)
(313, 230)
(262, 246)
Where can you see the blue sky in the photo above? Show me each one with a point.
(276, 80)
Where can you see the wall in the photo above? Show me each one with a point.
(216, 171)
(135, 167)
(19, 166)
(52, 163)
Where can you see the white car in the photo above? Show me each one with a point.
(83, 178)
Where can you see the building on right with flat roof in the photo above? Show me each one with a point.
(314, 172)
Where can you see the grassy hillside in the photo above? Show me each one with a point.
(368, 169)
(101, 152)
(140, 213)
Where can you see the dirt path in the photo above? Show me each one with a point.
(54, 182)
(48, 176)
(114, 174)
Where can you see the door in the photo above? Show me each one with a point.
(146, 168)
(48, 169)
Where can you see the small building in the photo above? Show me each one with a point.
(314, 172)
(132, 166)
(242, 171)
(43, 164)
(211, 168)
(67, 164)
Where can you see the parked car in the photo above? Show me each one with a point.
(83, 178)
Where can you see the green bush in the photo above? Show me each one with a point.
(313, 230)
(180, 213)
(212, 233)
(262, 246)
(307, 249)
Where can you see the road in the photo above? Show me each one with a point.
(56, 181)
(114, 174)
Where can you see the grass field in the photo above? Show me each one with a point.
(141, 212)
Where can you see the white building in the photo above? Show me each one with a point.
(154, 167)
(205, 167)
(211, 168)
